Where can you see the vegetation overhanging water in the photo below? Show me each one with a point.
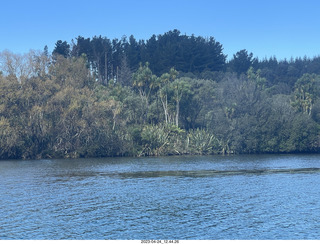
(170, 95)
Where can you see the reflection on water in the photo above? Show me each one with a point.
(234, 197)
(211, 173)
(192, 173)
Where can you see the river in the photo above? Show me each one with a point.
(185, 197)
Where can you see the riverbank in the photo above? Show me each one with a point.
(66, 113)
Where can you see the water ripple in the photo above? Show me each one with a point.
(209, 173)
(161, 199)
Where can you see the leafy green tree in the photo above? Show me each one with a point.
(307, 90)
(73, 72)
(180, 87)
(9, 139)
(256, 78)
(164, 82)
(197, 102)
(145, 81)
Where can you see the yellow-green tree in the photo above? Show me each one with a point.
(307, 91)
(145, 81)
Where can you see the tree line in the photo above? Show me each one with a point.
(170, 95)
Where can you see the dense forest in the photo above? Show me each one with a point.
(172, 94)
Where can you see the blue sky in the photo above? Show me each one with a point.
(280, 28)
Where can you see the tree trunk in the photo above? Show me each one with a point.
(177, 112)
(105, 69)
(165, 108)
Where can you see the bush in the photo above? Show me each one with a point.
(202, 142)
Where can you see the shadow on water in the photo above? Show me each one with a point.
(212, 173)
(193, 174)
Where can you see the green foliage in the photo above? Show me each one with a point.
(8, 139)
(154, 140)
(96, 100)
(241, 62)
(307, 90)
(203, 142)
(61, 48)
(145, 82)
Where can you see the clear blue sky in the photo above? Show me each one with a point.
(284, 28)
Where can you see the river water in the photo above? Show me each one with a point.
(187, 197)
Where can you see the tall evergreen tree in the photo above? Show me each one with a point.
(61, 48)
(241, 62)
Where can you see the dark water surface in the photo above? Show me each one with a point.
(214, 197)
